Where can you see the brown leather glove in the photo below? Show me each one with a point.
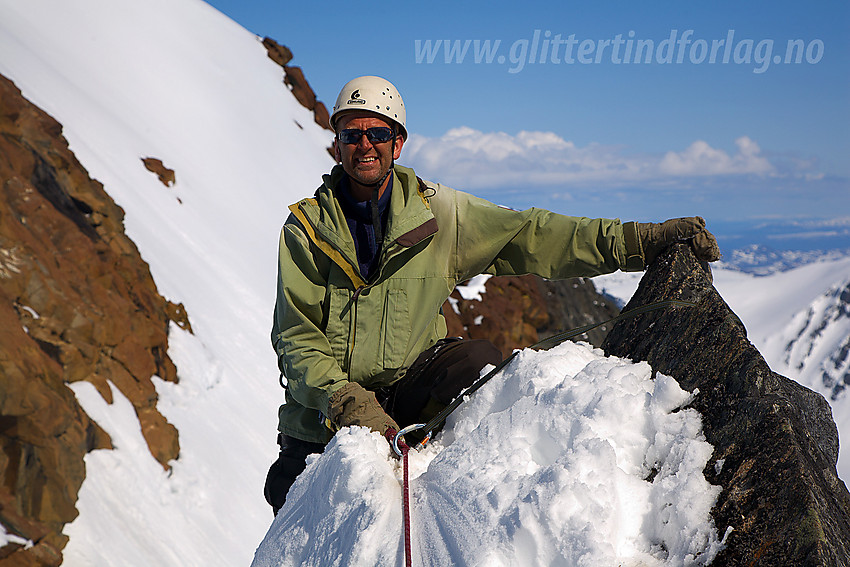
(355, 405)
(655, 237)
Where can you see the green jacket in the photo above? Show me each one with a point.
(331, 327)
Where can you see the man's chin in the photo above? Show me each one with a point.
(367, 180)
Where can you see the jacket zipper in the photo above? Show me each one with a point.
(352, 329)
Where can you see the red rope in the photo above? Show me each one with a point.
(408, 555)
(405, 500)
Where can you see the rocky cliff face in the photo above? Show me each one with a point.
(515, 312)
(776, 444)
(77, 302)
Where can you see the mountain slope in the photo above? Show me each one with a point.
(180, 82)
(814, 344)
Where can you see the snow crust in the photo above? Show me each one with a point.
(565, 458)
(6, 538)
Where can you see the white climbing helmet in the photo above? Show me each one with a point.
(374, 94)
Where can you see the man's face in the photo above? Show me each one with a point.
(366, 162)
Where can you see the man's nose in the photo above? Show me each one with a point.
(364, 142)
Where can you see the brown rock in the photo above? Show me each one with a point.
(77, 302)
(321, 115)
(297, 83)
(294, 79)
(165, 175)
(278, 53)
(177, 314)
(516, 312)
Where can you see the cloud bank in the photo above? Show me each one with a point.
(544, 170)
(474, 159)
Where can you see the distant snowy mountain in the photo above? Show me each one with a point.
(817, 341)
(761, 260)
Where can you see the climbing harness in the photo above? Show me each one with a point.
(401, 448)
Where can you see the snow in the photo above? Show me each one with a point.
(474, 288)
(7, 538)
(31, 311)
(547, 464)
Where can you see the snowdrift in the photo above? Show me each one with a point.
(567, 457)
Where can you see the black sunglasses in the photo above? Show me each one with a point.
(378, 134)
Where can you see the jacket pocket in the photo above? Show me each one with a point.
(338, 326)
(395, 333)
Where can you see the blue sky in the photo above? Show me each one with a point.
(738, 136)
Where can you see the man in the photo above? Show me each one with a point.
(366, 264)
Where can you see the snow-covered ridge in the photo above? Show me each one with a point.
(564, 458)
(814, 348)
(817, 341)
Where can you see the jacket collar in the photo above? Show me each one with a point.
(410, 220)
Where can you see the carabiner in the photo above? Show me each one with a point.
(401, 433)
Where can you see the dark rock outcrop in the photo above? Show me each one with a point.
(515, 312)
(575, 303)
(77, 302)
(775, 442)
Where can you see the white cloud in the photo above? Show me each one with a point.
(818, 223)
(701, 159)
(473, 159)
